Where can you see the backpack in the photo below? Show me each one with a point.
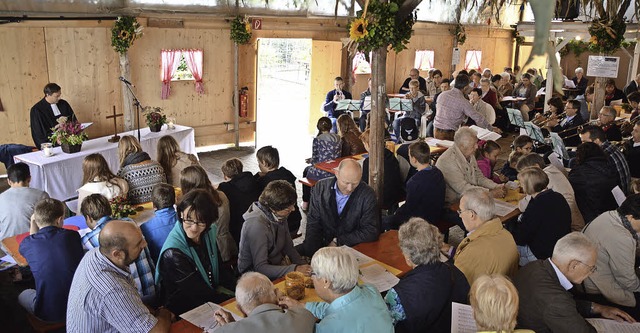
(408, 129)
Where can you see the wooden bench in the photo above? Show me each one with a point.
(307, 182)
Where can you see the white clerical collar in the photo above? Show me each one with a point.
(566, 284)
(56, 111)
(636, 144)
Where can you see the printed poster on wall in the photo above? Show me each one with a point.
(602, 66)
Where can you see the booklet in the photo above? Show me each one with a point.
(203, 317)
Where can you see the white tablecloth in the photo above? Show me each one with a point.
(60, 175)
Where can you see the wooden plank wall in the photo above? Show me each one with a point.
(78, 56)
(325, 66)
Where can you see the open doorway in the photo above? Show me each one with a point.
(283, 98)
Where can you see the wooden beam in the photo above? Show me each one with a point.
(377, 121)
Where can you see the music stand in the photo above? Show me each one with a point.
(366, 104)
(558, 145)
(534, 132)
(515, 117)
(400, 104)
(348, 105)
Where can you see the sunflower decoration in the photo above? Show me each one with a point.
(240, 30)
(460, 34)
(124, 32)
(376, 26)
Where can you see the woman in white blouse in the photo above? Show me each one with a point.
(98, 178)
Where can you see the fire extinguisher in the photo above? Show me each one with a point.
(244, 102)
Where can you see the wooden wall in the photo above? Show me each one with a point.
(78, 56)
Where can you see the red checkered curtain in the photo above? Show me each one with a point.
(170, 61)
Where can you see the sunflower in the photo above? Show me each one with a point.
(358, 29)
(247, 27)
(124, 34)
(593, 40)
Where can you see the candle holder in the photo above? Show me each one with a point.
(171, 121)
(47, 149)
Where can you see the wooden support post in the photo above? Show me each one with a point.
(236, 100)
(115, 137)
(598, 97)
(378, 104)
(127, 99)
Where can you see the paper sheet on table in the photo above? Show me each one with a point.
(504, 208)
(378, 277)
(485, 134)
(203, 317)
(607, 325)
(7, 262)
(360, 257)
(462, 319)
(618, 195)
(439, 143)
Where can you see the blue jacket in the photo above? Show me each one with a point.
(361, 310)
(53, 254)
(157, 229)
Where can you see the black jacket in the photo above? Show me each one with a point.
(392, 186)
(569, 131)
(592, 182)
(242, 191)
(358, 223)
(426, 293)
(282, 174)
(546, 219)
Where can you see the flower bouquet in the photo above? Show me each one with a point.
(69, 135)
(120, 207)
(155, 118)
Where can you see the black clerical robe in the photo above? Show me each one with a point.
(43, 120)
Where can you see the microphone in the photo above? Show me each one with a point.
(125, 81)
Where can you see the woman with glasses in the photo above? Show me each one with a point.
(546, 219)
(265, 242)
(188, 269)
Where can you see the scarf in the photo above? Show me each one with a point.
(135, 158)
(627, 225)
(177, 239)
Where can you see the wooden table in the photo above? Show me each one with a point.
(385, 250)
(331, 165)
(12, 245)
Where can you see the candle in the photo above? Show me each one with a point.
(170, 124)
(47, 151)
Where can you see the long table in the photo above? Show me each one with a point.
(385, 250)
(60, 175)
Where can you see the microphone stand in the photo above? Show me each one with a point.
(136, 102)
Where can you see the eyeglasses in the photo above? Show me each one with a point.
(191, 223)
(466, 210)
(592, 269)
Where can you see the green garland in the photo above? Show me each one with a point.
(606, 36)
(124, 33)
(240, 30)
(515, 34)
(379, 28)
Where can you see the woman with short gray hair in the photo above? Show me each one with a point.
(421, 301)
(347, 306)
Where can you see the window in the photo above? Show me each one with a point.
(424, 60)
(360, 64)
(473, 60)
(182, 73)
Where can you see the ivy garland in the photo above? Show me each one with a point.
(460, 34)
(379, 29)
(240, 30)
(124, 32)
(606, 36)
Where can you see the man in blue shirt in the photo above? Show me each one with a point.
(96, 210)
(157, 229)
(53, 254)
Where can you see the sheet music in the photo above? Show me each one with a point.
(485, 134)
(348, 104)
(515, 117)
(534, 131)
(439, 143)
(618, 195)
(360, 257)
(84, 126)
(569, 84)
(558, 145)
(608, 325)
(203, 317)
(462, 320)
(366, 105)
(555, 161)
(378, 277)
(400, 104)
(504, 208)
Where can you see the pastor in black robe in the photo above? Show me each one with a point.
(43, 119)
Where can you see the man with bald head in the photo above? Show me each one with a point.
(342, 211)
(257, 298)
(103, 297)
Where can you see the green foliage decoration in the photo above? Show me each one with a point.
(240, 30)
(606, 35)
(124, 32)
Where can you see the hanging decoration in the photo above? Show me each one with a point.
(125, 31)
(606, 35)
(516, 36)
(460, 34)
(240, 30)
(375, 27)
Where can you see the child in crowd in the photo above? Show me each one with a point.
(509, 169)
(242, 190)
(326, 146)
(157, 229)
(487, 156)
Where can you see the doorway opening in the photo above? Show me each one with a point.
(283, 83)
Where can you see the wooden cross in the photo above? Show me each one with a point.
(115, 137)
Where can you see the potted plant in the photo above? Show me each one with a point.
(155, 118)
(69, 135)
(120, 207)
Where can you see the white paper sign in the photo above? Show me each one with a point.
(602, 66)
(462, 320)
(455, 57)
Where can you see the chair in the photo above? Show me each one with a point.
(40, 326)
